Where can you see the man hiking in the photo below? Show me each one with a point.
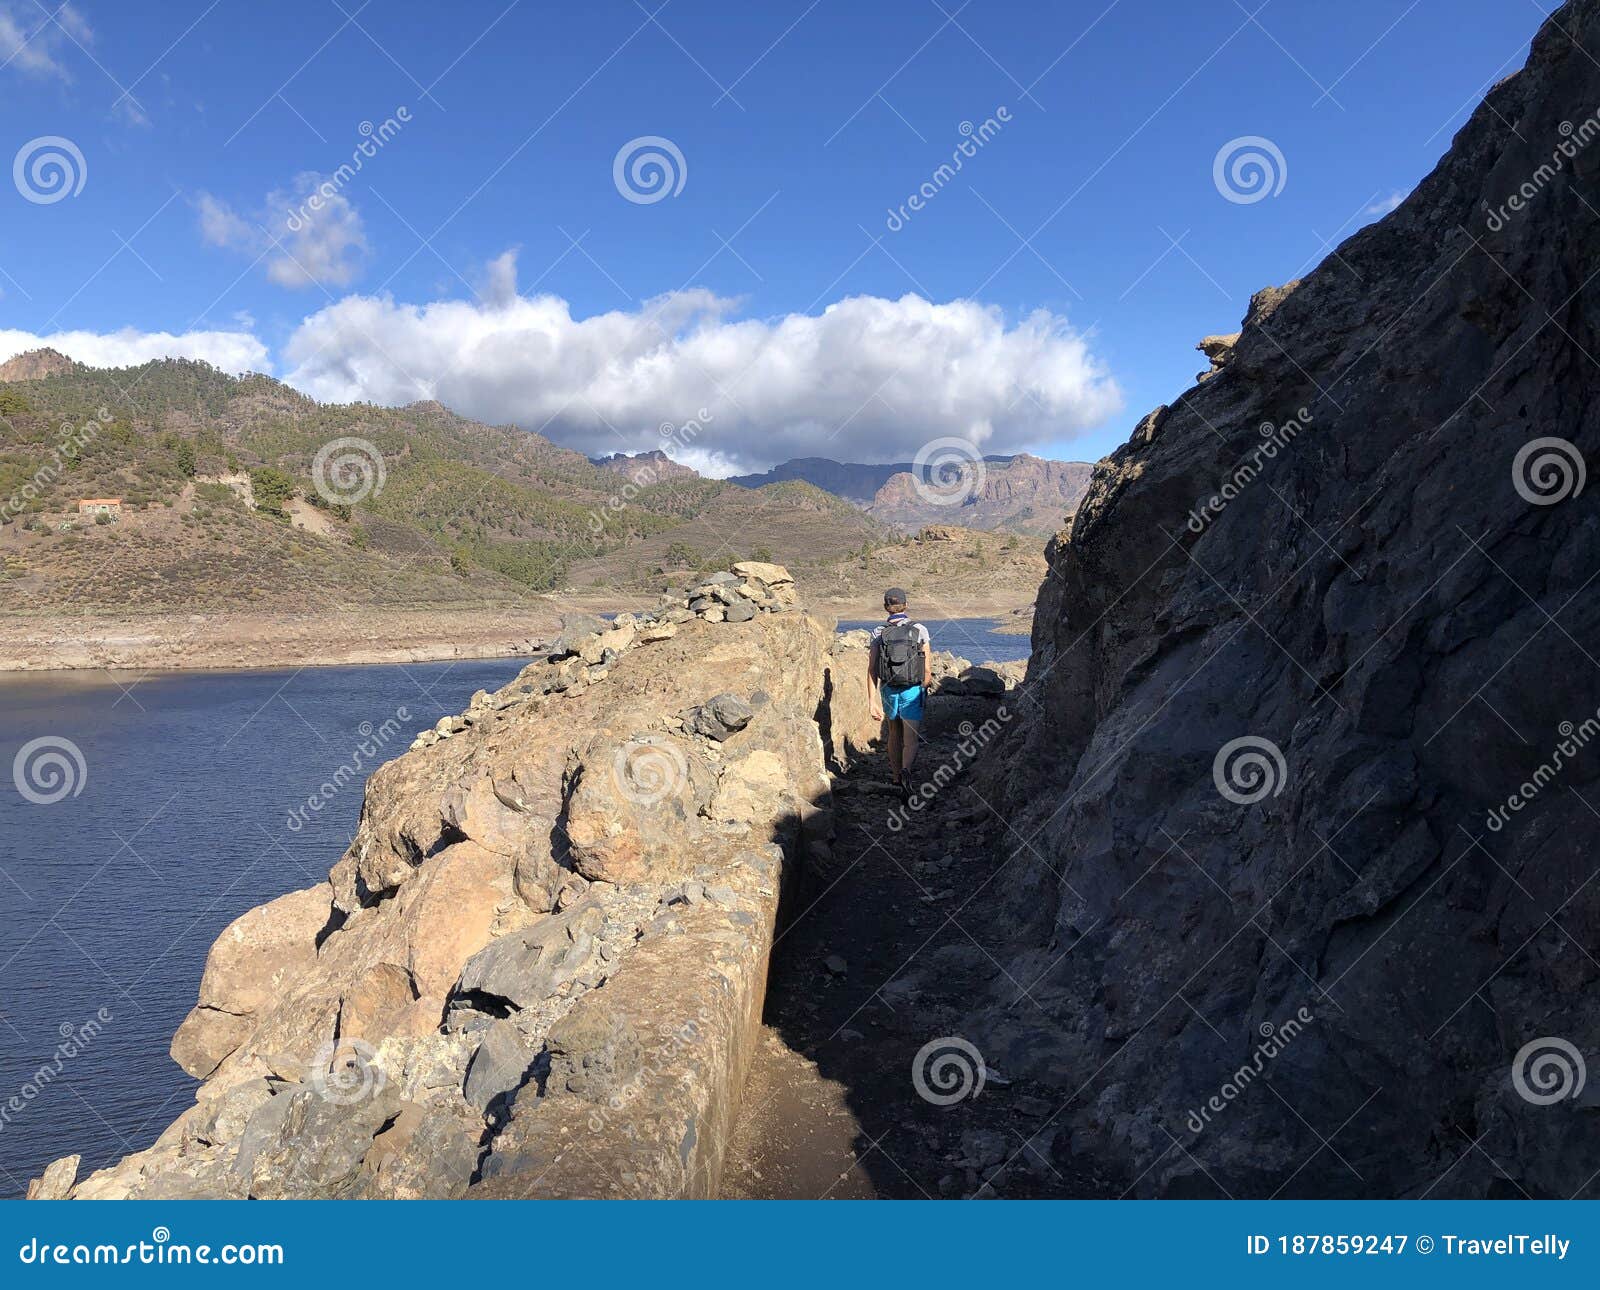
(897, 678)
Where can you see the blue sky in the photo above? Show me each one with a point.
(485, 255)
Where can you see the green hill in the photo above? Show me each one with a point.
(220, 501)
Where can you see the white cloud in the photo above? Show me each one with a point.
(499, 286)
(232, 351)
(306, 235)
(31, 40)
(1384, 205)
(868, 379)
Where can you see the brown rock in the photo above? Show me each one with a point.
(206, 1037)
(374, 1008)
(58, 1177)
(773, 575)
(477, 811)
(262, 949)
(635, 815)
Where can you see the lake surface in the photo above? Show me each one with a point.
(113, 896)
(971, 638)
(180, 822)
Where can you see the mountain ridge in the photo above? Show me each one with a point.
(384, 504)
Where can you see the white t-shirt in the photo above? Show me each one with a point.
(920, 631)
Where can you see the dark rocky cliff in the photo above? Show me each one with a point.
(1363, 548)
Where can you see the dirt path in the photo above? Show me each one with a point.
(878, 959)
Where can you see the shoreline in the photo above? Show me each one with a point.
(221, 642)
(260, 641)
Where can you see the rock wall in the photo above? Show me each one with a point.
(539, 968)
(1358, 556)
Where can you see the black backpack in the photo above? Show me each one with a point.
(900, 655)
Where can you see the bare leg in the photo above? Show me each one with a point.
(894, 749)
(909, 743)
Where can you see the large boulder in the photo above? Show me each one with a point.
(499, 1066)
(425, 1152)
(312, 1145)
(773, 575)
(56, 1181)
(248, 970)
(637, 812)
(576, 631)
(206, 1037)
(720, 717)
(257, 954)
(520, 970)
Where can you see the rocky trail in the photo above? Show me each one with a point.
(878, 957)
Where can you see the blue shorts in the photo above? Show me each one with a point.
(901, 705)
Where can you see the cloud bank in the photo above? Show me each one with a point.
(868, 379)
(232, 351)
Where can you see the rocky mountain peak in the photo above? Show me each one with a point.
(34, 365)
(644, 468)
(1023, 494)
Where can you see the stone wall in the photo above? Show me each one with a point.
(540, 966)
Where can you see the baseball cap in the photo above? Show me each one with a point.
(895, 596)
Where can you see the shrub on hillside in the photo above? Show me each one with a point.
(215, 494)
(272, 488)
(339, 510)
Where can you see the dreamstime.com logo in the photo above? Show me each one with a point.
(160, 1249)
(48, 769)
(1249, 769)
(648, 169)
(665, 1059)
(373, 138)
(373, 741)
(1549, 470)
(948, 1070)
(347, 1072)
(973, 740)
(1249, 169)
(347, 471)
(1548, 1070)
(649, 769)
(973, 138)
(946, 472)
(1574, 739)
(49, 168)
